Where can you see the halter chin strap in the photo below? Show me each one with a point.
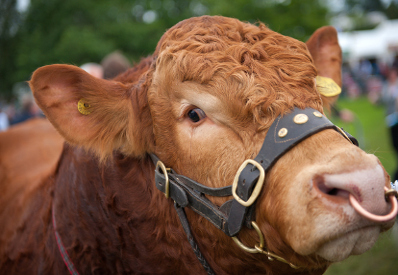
(285, 132)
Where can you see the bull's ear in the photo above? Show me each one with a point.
(326, 53)
(94, 113)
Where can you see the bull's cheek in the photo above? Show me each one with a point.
(213, 148)
(311, 219)
(298, 225)
(286, 207)
(300, 231)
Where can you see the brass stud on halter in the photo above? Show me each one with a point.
(300, 118)
(317, 114)
(282, 132)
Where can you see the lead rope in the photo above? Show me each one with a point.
(62, 250)
(194, 245)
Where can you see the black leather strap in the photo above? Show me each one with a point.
(247, 181)
(350, 137)
(185, 195)
(275, 146)
(216, 192)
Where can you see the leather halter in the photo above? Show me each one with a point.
(285, 132)
(231, 215)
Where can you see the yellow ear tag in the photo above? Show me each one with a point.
(327, 87)
(83, 107)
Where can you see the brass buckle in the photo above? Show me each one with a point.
(167, 183)
(256, 190)
(259, 248)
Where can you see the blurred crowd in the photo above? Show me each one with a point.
(378, 81)
(26, 108)
(368, 77)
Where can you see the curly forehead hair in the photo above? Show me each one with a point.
(274, 72)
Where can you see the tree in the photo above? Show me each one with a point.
(367, 14)
(9, 20)
(392, 10)
(77, 32)
(365, 5)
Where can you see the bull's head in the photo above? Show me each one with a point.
(203, 104)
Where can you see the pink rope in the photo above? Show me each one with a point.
(62, 250)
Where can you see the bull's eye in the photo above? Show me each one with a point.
(195, 115)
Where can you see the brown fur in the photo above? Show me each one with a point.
(270, 72)
(29, 154)
(109, 214)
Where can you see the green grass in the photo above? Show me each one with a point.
(373, 135)
(382, 259)
(370, 129)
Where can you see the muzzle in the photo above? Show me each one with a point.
(285, 132)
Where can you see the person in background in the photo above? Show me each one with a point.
(4, 123)
(29, 109)
(390, 100)
(111, 66)
(114, 64)
(93, 69)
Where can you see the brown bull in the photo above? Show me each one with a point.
(203, 104)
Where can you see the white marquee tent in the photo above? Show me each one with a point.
(380, 43)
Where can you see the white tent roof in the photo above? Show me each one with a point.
(381, 42)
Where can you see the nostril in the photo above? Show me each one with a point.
(319, 182)
(359, 190)
(323, 188)
(333, 192)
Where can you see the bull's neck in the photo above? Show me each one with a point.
(111, 218)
